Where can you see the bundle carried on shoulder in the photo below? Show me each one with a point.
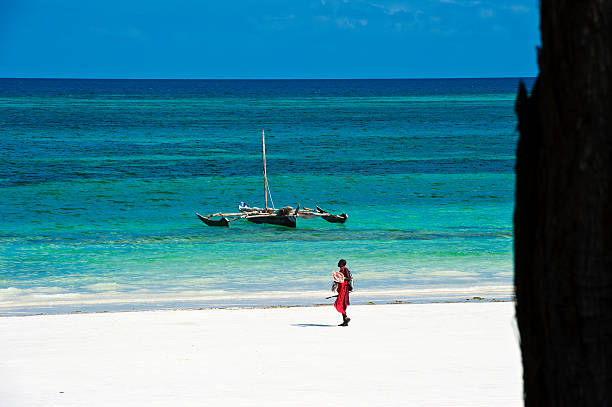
(339, 278)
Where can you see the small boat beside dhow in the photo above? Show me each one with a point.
(286, 216)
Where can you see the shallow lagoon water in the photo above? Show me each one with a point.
(102, 178)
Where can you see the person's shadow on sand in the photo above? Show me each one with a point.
(312, 325)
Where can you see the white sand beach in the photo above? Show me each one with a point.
(454, 354)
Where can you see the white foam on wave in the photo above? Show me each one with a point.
(52, 300)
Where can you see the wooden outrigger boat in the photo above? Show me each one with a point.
(286, 216)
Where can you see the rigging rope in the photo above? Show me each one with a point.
(270, 194)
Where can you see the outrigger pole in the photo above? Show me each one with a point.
(263, 150)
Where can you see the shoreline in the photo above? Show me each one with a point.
(262, 307)
(59, 304)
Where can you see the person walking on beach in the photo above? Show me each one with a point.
(341, 284)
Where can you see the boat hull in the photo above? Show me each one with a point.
(289, 221)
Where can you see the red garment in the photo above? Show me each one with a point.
(343, 298)
(343, 301)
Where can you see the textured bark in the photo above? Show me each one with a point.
(563, 213)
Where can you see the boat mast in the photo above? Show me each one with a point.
(263, 150)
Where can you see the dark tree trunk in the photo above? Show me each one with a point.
(563, 213)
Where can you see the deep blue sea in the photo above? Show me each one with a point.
(100, 181)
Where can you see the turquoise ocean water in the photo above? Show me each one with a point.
(100, 181)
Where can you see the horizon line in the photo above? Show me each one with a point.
(274, 79)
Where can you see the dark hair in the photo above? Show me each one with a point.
(342, 263)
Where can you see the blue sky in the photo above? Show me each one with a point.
(268, 39)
